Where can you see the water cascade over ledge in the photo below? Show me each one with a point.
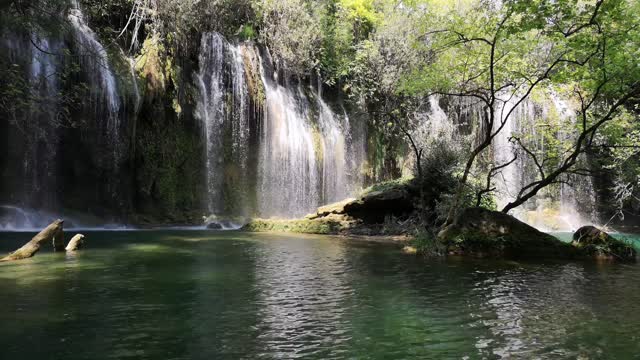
(104, 92)
(546, 126)
(306, 152)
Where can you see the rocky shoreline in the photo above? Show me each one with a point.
(477, 232)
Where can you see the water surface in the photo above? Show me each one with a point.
(231, 295)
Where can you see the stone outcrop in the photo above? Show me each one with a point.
(482, 232)
(330, 224)
(597, 243)
(372, 207)
(365, 215)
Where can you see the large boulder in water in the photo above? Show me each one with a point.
(596, 243)
(372, 207)
(482, 232)
(214, 226)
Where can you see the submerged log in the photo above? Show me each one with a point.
(51, 232)
(75, 243)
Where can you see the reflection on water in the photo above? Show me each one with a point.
(204, 295)
(298, 318)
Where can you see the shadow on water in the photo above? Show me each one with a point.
(202, 294)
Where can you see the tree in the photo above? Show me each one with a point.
(498, 54)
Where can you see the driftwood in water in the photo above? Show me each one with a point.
(75, 243)
(52, 233)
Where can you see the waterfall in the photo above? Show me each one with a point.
(335, 133)
(104, 91)
(302, 145)
(38, 125)
(210, 109)
(289, 182)
(303, 153)
(544, 125)
(510, 179)
(222, 106)
(43, 148)
(566, 206)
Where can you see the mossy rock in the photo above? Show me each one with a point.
(598, 244)
(374, 205)
(328, 225)
(485, 233)
(334, 208)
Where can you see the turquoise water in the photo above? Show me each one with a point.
(231, 295)
(632, 239)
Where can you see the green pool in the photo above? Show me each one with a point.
(232, 295)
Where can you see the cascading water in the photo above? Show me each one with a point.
(554, 208)
(103, 86)
(289, 180)
(211, 111)
(44, 140)
(543, 126)
(42, 127)
(302, 144)
(509, 180)
(303, 153)
(38, 125)
(223, 106)
(335, 133)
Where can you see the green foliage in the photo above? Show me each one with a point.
(247, 32)
(403, 183)
(427, 243)
(291, 30)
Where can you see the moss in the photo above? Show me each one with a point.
(150, 64)
(175, 105)
(318, 146)
(252, 73)
(481, 232)
(402, 182)
(304, 226)
(593, 242)
(168, 167)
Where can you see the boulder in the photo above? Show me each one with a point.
(374, 206)
(597, 243)
(371, 208)
(482, 232)
(76, 243)
(214, 226)
(335, 208)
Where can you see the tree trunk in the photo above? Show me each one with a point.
(76, 243)
(52, 233)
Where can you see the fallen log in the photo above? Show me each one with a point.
(75, 243)
(52, 233)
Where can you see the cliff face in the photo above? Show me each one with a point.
(167, 135)
(87, 129)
